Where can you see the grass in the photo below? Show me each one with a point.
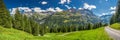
(13, 34)
(116, 26)
(96, 34)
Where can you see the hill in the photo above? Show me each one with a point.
(13, 34)
(116, 26)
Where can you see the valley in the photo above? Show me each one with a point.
(13, 34)
(59, 20)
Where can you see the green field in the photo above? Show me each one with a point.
(13, 34)
(116, 26)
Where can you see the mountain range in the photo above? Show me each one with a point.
(83, 14)
(105, 18)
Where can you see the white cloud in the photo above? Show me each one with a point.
(13, 11)
(113, 8)
(64, 1)
(68, 1)
(74, 7)
(10, 10)
(80, 8)
(112, 12)
(106, 0)
(90, 7)
(104, 14)
(107, 13)
(68, 6)
(25, 9)
(37, 9)
(58, 9)
(44, 2)
(51, 9)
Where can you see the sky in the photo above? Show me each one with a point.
(99, 7)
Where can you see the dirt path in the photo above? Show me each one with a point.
(115, 34)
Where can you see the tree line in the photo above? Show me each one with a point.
(62, 23)
(116, 16)
(17, 21)
(28, 24)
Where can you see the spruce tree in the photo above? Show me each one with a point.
(35, 28)
(116, 17)
(118, 12)
(18, 20)
(28, 27)
(5, 18)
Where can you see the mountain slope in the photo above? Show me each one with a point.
(91, 16)
(72, 16)
(84, 15)
(13, 34)
(116, 26)
(106, 18)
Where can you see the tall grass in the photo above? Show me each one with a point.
(116, 26)
(13, 34)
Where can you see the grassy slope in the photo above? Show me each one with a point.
(12, 34)
(116, 26)
(97, 34)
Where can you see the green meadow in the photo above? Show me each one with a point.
(116, 26)
(95, 34)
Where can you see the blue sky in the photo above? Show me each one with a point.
(97, 6)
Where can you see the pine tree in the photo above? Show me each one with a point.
(23, 23)
(91, 26)
(35, 28)
(42, 31)
(18, 20)
(5, 18)
(27, 27)
(116, 17)
(113, 19)
(118, 12)
(88, 26)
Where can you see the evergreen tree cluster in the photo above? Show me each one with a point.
(5, 18)
(116, 17)
(18, 21)
(24, 23)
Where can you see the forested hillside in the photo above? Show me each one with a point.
(67, 21)
(13, 34)
(116, 17)
(5, 18)
(38, 24)
(115, 20)
(53, 23)
(18, 21)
